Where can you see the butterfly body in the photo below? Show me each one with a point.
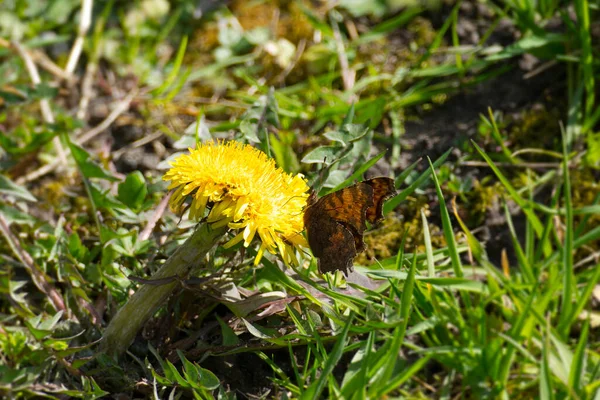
(335, 223)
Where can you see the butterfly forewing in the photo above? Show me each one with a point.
(383, 189)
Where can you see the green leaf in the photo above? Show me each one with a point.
(348, 134)
(320, 154)
(530, 44)
(284, 152)
(50, 323)
(15, 216)
(10, 188)
(567, 251)
(76, 247)
(37, 333)
(132, 192)
(88, 167)
(228, 334)
(349, 115)
(28, 143)
(371, 111)
(257, 331)
(405, 375)
(197, 376)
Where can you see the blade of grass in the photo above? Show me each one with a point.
(176, 66)
(522, 259)
(277, 369)
(587, 57)
(495, 132)
(437, 41)
(358, 173)
(548, 227)
(525, 206)
(295, 368)
(389, 25)
(397, 131)
(585, 296)
(399, 332)
(355, 382)
(515, 333)
(529, 232)
(405, 375)
(546, 390)
(428, 247)
(447, 225)
(316, 388)
(456, 40)
(577, 370)
(400, 197)
(567, 250)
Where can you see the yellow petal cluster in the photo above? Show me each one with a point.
(245, 191)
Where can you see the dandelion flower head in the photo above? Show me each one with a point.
(246, 192)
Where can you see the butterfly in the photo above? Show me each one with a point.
(335, 223)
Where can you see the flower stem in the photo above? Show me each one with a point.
(122, 329)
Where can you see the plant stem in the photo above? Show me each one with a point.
(122, 329)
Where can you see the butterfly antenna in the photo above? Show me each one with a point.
(322, 177)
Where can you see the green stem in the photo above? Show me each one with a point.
(122, 329)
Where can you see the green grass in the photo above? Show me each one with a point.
(445, 312)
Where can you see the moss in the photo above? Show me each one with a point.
(55, 193)
(389, 54)
(535, 128)
(291, 24)
(481, 198)
(423, 32)
(204, 41)
(585, 188)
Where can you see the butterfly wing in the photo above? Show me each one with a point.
(335, 224)
(330, 241)
(383, 188)
(348, 207)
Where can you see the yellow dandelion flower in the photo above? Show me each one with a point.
(246, 192)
